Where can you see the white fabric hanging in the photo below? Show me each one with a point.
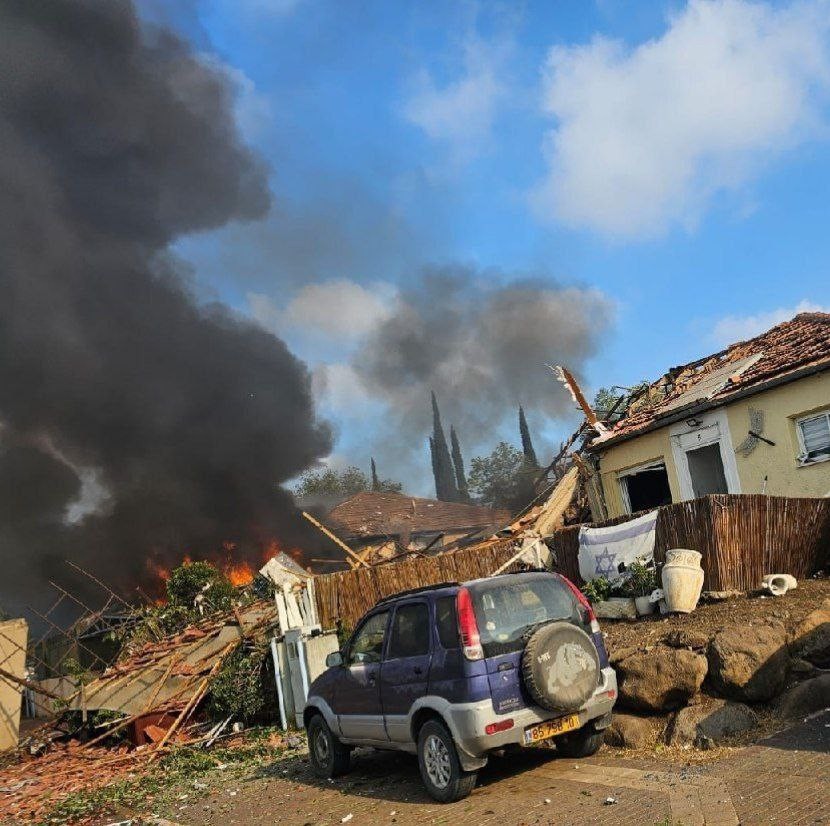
(603, 550)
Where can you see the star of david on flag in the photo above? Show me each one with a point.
(603, 550)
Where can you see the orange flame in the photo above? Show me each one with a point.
(239, 572)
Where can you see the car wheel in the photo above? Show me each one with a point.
(581, 743)
(329, 757)
(441, 770)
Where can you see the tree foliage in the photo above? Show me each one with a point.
(192, 579)
(527, 442)
(346, 482)
(504, 479)
(604, 401)
(458, 464)
(445, 485)
(237, 690)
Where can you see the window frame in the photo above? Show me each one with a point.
(348, 659)
(391, 629)
(622, 478)
(802, 458)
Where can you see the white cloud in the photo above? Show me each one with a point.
(732, 328)
(461, 113)
(645, 137)
(338, 387)
(339, 309)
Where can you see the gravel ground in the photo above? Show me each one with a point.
(710, 618)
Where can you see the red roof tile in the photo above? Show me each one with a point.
(802, 342)
(390, 514)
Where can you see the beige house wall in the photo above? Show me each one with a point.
(13, 638)
(62, 686)
(781, 406)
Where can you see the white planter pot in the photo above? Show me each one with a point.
(644, 605)
(682, 580)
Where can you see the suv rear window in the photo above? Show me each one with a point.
(507, 608)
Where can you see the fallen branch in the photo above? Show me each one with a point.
(7, 675)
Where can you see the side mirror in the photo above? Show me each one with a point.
(334, 659)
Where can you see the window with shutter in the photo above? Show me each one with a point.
(814, 436)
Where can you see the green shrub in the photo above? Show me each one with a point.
(194, 578)
(597, 590)
(238, 690)
(642, 580)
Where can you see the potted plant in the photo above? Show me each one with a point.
(608, 599)
(642, 580)
(597, 590)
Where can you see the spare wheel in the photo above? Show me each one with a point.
(560, 667)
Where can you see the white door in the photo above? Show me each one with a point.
(705, 459)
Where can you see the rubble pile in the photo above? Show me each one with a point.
(30, 787)
(148, 704)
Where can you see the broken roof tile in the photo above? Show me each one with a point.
(802, 342)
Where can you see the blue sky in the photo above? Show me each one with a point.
(666, 161)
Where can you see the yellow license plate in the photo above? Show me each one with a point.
(550, 728)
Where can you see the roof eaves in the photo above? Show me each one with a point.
(703, 405)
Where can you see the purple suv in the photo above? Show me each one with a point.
(456, 671)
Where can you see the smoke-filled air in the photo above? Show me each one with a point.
(135, 422)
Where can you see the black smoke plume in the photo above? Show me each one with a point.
(481, 339)
(134, 421)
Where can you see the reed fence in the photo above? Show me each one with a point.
(740, 536)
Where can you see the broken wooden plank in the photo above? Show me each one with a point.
(335, 539)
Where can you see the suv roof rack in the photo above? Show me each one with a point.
(420, 590)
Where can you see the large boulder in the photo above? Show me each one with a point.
(810, 639)
(688, 638)
(629, 731)
(749, 662)
(806, 698)
(661, 679)
(709, 723)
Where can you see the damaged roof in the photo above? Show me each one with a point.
(783, 353)
(373, 513)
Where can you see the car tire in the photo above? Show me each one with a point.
(328, 756)
(580, 743)
(441, 770)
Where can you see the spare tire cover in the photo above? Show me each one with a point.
(560, 667)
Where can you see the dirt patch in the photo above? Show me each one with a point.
(709, 618)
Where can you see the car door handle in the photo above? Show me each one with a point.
(371, 679)
(418, 670)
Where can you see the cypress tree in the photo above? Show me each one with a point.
(458, 464)
(434, 463)
(375, 480)
(445, 488)
(527, 444)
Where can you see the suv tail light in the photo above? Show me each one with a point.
(502, 725)
(468, 626)
(583, 601)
